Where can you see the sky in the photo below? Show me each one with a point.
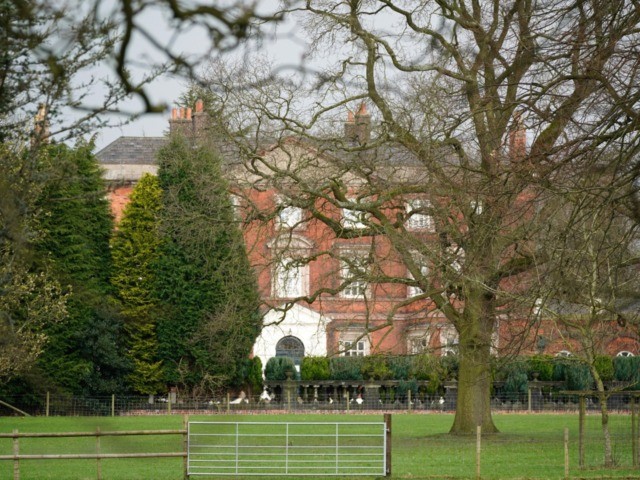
(284, 47)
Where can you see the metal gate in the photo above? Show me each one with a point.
(285, 448)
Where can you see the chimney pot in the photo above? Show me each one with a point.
(188, 114)
(199, 106)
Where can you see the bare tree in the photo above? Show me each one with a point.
(591, 276)
(484, 110)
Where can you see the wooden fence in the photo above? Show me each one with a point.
(98, 434)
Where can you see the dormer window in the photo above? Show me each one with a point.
(418, 215)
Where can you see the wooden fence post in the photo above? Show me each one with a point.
(185, 446)
(16, 452)
(634, 433)
(566, 453)
(387, 453)
(409, 400)
(581, 419)
(113, 405)
(47, 406)
(478, 450)
(98, 466)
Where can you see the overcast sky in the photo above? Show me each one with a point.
(286, 47)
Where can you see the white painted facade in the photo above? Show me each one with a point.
(303, 323)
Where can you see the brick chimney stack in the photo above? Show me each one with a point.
(363, 124)
(357, 128)
(517, 138)
(186, 122)
(200, 120)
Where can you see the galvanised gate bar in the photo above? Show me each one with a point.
(286, 448)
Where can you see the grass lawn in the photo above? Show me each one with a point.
(529, 447)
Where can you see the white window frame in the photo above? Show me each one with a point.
(625, 353)
(456, 257)
(358, 287)
(289, 216)
(354, 345)
(353, 218)
(416, 220)
(477, 207)
(418, 341)
(413, 290)
(564, 354)
(449, 340)
(290, 279)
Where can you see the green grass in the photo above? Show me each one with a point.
(529, 447)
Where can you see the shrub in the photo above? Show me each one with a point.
(515, 376)
(315, 368)
(575, 374)
(345, 368)
(627, 369)
(277, 368)
(450, 367)
(400, 367)
(428, 367)
(604, 367)
(543, 365)
(405, 386)
(374, 367)
(254, 375)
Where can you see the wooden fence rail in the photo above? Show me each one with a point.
(17, 456)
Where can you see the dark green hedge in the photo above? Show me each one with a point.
(513, 374)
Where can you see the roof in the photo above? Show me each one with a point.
(131, 151)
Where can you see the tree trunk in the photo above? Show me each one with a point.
(604, 416)
(474, 389)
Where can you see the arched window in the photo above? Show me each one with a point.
(624, 353)
(564, 354)
(291, 347)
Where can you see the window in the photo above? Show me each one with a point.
(236, 206)
(289, 279)
(352, 346)
(455, 258)
(564, 354)
(449, 340)
(477, 207)
(289, 216)
(354, 272)
(291, 347)
(418, 342)
(353, 218)
(414, 290)
(624, 353)
(418, 217)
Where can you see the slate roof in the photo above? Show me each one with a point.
(131, 151)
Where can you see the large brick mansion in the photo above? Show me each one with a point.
(331, 315)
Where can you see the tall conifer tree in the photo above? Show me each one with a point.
(84, 355)
(207, 289)
(135, 249)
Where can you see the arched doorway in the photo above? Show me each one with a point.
(291, 347)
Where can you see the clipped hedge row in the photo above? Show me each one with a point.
(514, 374)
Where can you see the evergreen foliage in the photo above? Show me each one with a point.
(346, 368)
(30, 297)
(277, 368)
(206, 289)
(315, 368)
(84, 355)
(135, 249)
